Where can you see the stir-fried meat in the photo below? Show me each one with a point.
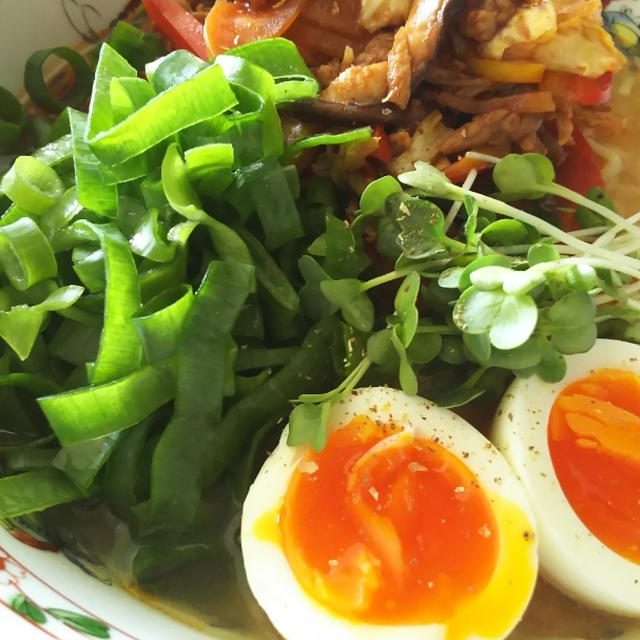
(376, 50)
(405, 55)
(424, 144)
(528, 102)
(328, 72)
(564, 121)
(199, 10)
(482, 22)
(530, 142)
(479, 25)
(400, 141)
(497, 127)
(424, 26)
(599, 122)
(358, 84)
(399, 70)
(372, 54)
(532, 23)
(452, 74)
(347, 58)
(376, 14)
(388, 79)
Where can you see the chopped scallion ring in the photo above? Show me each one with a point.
(32, 184)
(40, 92)
(12, 117)
(25, 254)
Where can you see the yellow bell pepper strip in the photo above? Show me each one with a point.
(507, 70)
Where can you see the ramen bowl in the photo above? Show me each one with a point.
(47, 590)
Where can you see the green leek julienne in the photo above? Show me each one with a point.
(36, 85)
(120, 348)
(90, 412)
(119, 353)
(202, 351)
(32, 184)
(35, 490)
(159, 322)
(21, 324)
(200, 98)
(93, 192)
(13, 118)
(138, 227)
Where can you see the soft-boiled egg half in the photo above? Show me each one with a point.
(576, 447)
(408, 524)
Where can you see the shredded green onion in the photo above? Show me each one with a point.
(159, 322)
(202, 97)
(35, 490)
(91, 412)
(355, 135)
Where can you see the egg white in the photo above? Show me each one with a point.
(295, 614)
(571, 557)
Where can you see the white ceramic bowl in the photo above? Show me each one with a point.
(29, 25)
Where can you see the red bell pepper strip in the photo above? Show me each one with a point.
(580, 171)
(459, 170)
(383, 152)
(28, 539)
(577, 88)
(178, 25)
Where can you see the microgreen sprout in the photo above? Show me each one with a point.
(490, 288)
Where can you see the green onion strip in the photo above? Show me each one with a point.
(200, 98)
(13, 118)
(35, 490)
(119, 200)
(120, 349)
(175, 479)
(91, 412)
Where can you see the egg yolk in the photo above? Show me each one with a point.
(594, 442)
(393, 531)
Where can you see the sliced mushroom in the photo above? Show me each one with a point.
(351, 114)
(424, 27)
